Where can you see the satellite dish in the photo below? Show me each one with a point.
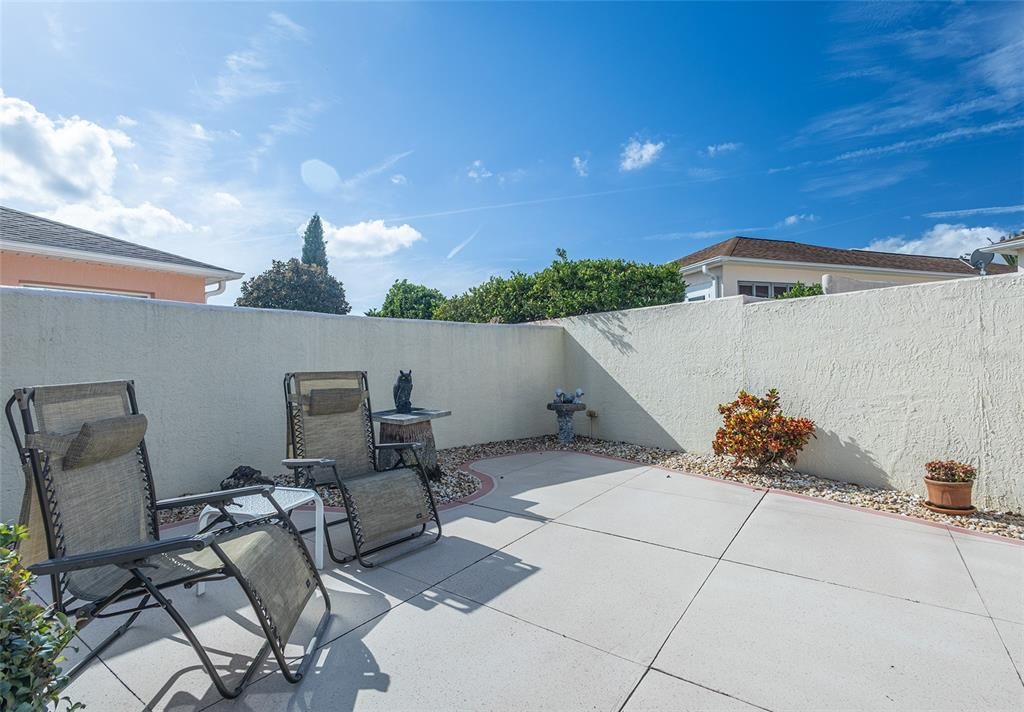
(980, 260)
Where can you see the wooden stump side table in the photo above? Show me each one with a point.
(411, 427)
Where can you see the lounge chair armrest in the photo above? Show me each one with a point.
(399, 446)
(122, 555)
(213, 497)
(297, 463)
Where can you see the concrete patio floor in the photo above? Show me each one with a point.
(584, 583)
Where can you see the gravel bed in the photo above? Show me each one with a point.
(1007, 524)
(454, 484)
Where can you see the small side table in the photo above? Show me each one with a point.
(256, 505)
(411, 427)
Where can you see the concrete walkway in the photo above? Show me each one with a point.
(583, 583)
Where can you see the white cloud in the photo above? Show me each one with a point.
(370, 238)
(169, 181)
(222, 199)
(282, 21)
(791, 220)
(295, 119)
(126, 121)
(109, 216)
(478, 171)
(200, 132)
(319, 176)
(999, 210)
(58, 36)
(248, 72)
(580, 165)
(637, 155)
(462, 245)
(399, 179)
(716, 149)
(49, 161)
(942, 240)
(350, 184)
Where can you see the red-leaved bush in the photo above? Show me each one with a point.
(755, 430)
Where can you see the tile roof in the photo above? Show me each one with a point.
(16, 226)
(788, 251)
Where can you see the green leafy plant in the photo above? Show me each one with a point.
(756, 431)
(950, 471)
(567, 288)
(32, 637)
(295, 285)
(802, 290)
(406, 300)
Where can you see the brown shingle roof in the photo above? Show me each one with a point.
(788, 251)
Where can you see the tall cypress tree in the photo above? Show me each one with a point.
(314, 249)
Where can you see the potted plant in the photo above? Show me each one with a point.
(949, 486)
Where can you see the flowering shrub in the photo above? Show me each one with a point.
(31, 637)
(755, 430)
(950, 471)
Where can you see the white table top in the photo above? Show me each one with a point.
(418, 415)
(255, 505)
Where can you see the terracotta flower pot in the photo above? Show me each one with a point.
(949, 497)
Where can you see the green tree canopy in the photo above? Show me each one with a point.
(314, 249)
(801, 290)
(406, 300)
(295, 285)
(567, 288)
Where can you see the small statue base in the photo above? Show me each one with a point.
(564, 413)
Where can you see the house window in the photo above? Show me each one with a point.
(701, 298)
(762, 289)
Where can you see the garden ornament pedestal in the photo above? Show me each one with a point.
(564, 413)
(411, 427)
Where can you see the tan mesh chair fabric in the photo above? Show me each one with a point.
(387, 503)
(102, 505)
(34, 549)
(344, 433)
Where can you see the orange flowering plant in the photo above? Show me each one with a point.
(755, 430)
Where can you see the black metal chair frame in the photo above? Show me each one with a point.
(133, 560)
(303, 468)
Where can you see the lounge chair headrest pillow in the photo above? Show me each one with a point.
(100, 440)
(325, 401)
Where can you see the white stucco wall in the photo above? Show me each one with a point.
(893, 377)
(210, 378)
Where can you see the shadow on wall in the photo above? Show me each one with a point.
(829, 453)
(619, 415)
(612, 327)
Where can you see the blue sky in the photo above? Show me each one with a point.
(447, 143)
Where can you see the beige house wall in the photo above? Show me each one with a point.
(734, 272)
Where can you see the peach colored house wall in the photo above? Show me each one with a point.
(18, 269)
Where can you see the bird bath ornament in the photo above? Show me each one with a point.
(565, 406)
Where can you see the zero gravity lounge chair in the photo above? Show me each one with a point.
(331, 443)
(91, 510)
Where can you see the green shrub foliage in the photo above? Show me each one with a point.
(32, 637)
(295, 285)
(406, 300)
(802, 290)
(566, 288)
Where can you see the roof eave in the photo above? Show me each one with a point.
(213, 275)
(721, 259)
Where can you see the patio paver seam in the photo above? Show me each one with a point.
(629, 538)
(711, 689)
(632, 692)
(856, 588)
(987, 609)
(707, 578)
